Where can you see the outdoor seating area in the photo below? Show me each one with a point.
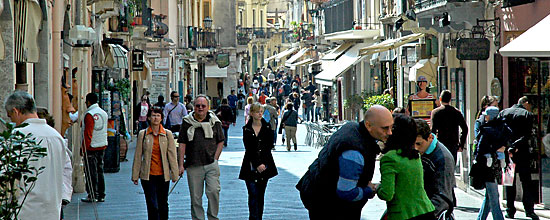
(318, 134)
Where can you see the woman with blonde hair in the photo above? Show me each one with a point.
(258, 165)
(249, 102)
(155, 163)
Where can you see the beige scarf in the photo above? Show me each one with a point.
(206, 126)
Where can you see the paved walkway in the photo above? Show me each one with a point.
(126, 201)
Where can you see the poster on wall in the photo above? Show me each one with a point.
(421, 108)
(158, 87)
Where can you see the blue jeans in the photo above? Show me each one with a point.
(225, 135)
(256, 192)
(142, 125)
(317, 114)
(490, 203)
(156, 197)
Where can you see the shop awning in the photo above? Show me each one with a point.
(146, 75)
(27, 19)
(296, 56)
(213, 71)
(285, 53)
(303, 62)
(334, 54)
(532, 43)
(116, 58)
(266, 60)
(389, 44)
(424, 67)
(342, 64)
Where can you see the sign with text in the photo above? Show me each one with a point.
(162, 63)
(153, 53)
(137, 60)
(473, 49)
(421, 108)
(159, 73)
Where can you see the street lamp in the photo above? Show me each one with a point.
(207, 22)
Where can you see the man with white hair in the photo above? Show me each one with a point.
(44, 200)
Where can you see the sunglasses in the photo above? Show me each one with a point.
(200, 106)
(175, 96)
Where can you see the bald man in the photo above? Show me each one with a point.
(338, 183)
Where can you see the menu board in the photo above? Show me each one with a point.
(421, 108)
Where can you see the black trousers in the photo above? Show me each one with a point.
(93, 168)
(256, 194)
(527, 185)
(156, 197)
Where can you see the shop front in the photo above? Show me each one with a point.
(528, 59)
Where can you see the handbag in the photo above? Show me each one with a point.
(281, 128)
(477, 175)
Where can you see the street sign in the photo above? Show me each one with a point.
(222, 60)
(473, 49)
(137, 60)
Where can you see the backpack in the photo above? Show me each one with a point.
(266, 115)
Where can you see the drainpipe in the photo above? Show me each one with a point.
(57, 28)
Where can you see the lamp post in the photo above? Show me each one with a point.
(207, 22)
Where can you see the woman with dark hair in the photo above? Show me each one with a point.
(155, 163)
(402, 183)
(225, 114)
(290, 121)
(258, 165)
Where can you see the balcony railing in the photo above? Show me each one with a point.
(202, 38)
(244, 35)
(425, 4)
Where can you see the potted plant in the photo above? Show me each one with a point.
(17, 176)
(383, 100)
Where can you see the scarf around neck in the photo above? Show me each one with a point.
(205, 125)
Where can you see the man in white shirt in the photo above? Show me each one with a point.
(44, 200)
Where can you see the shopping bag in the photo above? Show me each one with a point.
(509, 172)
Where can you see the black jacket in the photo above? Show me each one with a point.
(257, 152)
(446, 120)
(318, 185)
(492, 135)
(225, 113)
(521, 122)
(439, 179)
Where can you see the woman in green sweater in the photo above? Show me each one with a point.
(402, 183)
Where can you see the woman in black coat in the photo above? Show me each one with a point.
(258, 165)
(225, 114)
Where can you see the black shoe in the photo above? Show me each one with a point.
(88, 199)
(101, 199)
(509, 215)
(532, 215)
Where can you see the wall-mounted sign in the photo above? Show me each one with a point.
(162, 63)
(222, 60)
(153, 53)
(137, 60)
(473, 49)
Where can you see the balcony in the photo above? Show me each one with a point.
(428, 13)
(202, 38)
(245, 35)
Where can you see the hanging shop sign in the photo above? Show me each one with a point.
(153, 53)
(473, 49)
(222, 60)
(137, 60)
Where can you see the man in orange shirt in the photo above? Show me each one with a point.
(95, 142)
(262, 98)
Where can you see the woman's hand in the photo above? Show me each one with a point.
(135, 182)
(261, 168)
(182, 169)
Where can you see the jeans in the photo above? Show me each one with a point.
(309, 111)
(256, 192)
(93, 168)
(156, 197)
(225, 135)
(490, 203)
(317, 114)
(527, 185)
(198, 177)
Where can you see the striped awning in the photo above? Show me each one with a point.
(116, 57)
(27, 21)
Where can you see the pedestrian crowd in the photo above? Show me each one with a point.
(417, 157)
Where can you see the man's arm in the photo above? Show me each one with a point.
(464, 131)
(181, 156)
(88, 130)
(443, 182)
(351, 165)
(218, 150)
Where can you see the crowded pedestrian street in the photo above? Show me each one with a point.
(124, 200)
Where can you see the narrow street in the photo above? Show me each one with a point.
(126, 201)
